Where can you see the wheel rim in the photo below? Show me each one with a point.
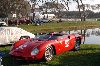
(49, 53)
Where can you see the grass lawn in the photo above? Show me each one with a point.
(50, 27)
(89, 55)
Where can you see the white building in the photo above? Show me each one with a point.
(40, 16)
(49, 16)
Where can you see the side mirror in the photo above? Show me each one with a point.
(57, 39)
(69, 37)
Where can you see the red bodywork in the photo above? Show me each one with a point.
(60, 45)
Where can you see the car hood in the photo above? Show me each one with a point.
(27, 48)
(29, 45)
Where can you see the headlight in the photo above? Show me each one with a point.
(34, 51)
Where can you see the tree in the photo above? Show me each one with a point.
(87, 6)
(93, 7)
(82, 13)
(85, 10)
(4, 7)
(14, 6)
(53, 7)
(98, 6)
(33, 7)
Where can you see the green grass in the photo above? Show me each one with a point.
(50, 27)
(89, 55)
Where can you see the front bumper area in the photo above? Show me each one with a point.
(21, 55)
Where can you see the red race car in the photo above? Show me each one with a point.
(45, 46)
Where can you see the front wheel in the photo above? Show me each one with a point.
(49, 52)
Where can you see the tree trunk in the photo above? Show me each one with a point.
(83, 16)
(79, 9)
(33, 9)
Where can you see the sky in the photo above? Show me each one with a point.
(74, 8)
(91, 1)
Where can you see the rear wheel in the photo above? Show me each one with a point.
(49, 53)
(77, 45)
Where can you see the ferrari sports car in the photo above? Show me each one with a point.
(45, 46)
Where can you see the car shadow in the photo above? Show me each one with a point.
(8, 61)
(85, 57)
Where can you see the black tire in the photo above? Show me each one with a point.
(77, 45)
(49, 53)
